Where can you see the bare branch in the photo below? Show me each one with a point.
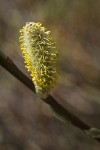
(8, 64)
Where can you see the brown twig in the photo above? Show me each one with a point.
(8, 64)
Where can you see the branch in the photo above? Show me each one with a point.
(8, 64)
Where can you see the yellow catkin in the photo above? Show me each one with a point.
(41, 57)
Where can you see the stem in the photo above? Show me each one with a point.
(8, 64)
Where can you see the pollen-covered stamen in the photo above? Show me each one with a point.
(41, 56)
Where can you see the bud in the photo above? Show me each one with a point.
(41, 57)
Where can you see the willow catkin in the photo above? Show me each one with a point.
(41, 57)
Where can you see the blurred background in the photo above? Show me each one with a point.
(26, 122)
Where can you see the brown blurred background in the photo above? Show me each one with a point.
(26, 122)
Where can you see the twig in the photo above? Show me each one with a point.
(8, 64)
